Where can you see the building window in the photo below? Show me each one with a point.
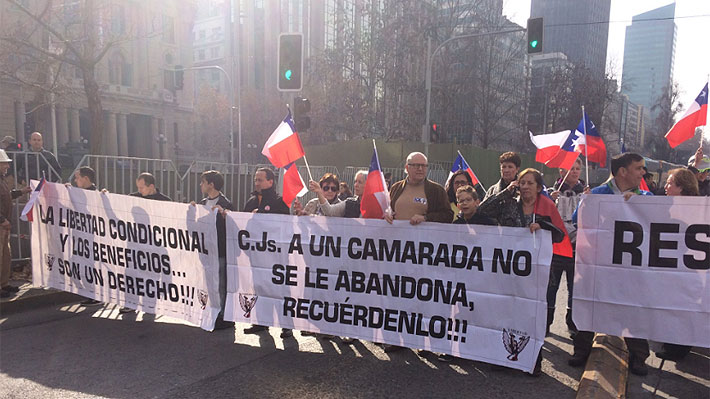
(214, 52)
(202, 35)
(201, 55)
(168, 29)
(119, 71)
(217, 33)
(118, 19)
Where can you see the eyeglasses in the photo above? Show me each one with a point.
(331, 188)
(418, 165)
(460, 183)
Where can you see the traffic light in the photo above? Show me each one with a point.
(179, 77)
(434, 133)
(301, 108)
(28, 131)
(290, 62)
(535, 35)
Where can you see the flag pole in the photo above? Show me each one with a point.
(464, 159)
(586, 144)
(308, 168)
(569, 170)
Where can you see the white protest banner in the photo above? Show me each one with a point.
(643, 268)
(476, 292)
(153, 256)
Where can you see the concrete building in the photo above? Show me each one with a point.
(146, 115)
(572, 28)
(649, 54)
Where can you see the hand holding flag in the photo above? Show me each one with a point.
(375, 198)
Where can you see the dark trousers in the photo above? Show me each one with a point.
(559, 266)
(222, 285)
(638, 347)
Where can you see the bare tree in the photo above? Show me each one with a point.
(667, 108)
(77, 38)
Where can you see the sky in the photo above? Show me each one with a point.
(692, 54)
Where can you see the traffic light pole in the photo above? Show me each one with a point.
(425, 129)
(231, 110)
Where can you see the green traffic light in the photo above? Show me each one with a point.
(288, 74)
(533, 43)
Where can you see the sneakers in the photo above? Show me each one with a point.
(90, 302)
(255, 329)
(286, 333)
(638, 367)
(124, 310)
(577, 360)
(347, 340)
(308, 334)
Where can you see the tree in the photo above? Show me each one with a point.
(78, 37)
(667, 108)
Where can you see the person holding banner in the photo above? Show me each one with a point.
(350, 207)
(145, 183)
(509, 167)
(459, 179)
(467, 201)
(567, 193)
(211, 183)
(702, 171)
(626, 174)
(263, 199)
(680, 182)
(6, 197)
(329, 186)
(417, 198)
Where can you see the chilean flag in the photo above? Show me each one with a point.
(283, 146)
(595, 150)
(293, 184)
(375, 198)
(460, 164)
(556, 150)
(695, 116)
(27, 214)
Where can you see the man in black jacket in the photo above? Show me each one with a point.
(211, 183)
(38, 166)
(264, 199)
(145, 183)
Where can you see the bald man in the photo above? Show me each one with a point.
(417, 198)
(47, 159)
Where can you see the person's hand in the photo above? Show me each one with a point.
(535, 227)
(512, 186)
(6, 225)
(104, 191)
(298, 207)
(698, 156)
(587, 190)
(389, 217)
(416, 219)
(628, 195)
(67, 185)
(218, 208)
(193, 203)
(315, 187)
(554, 195)
(26, 190)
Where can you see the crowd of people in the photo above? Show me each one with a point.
(519, 199)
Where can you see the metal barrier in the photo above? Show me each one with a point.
(26, 166)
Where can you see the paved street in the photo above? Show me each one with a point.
(76, 352)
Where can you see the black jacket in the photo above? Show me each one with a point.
(30, 171)
(352, 207)
(477, 218)
(158, 196)
(270, 203)
(221, 224)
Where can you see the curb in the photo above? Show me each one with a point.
(607, 369)
(30, 298)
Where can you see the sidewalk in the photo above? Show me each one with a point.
(29, 297)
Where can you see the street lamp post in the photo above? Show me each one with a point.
(231, 110)
(425, 128)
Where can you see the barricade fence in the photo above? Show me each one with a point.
(118, 175)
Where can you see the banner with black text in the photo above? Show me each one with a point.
(643, 268)
(476, 292)
(152, 256)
